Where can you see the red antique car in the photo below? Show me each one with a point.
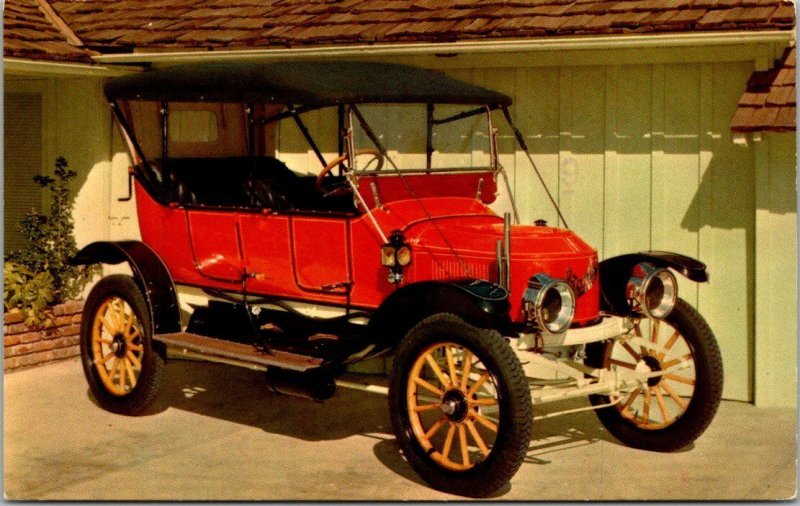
(392, 248)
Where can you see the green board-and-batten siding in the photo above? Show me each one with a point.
(639, 156)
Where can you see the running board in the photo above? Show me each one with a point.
(198, 346)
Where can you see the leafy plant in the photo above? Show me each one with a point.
(42, 264)
(29, 292)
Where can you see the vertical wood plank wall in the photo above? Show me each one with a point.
(639, 156)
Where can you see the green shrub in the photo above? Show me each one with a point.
(39, 273)
(30, 293)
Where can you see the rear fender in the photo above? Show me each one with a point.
(478, 302)
(615, 272)
(149, 272)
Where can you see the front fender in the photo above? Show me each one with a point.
(478, 302)
(615, 272)
(149, 272)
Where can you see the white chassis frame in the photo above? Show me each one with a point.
(553, 377)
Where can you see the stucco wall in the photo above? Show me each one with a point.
(639, 155)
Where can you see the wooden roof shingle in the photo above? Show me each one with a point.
(769, 103)
(231, 24)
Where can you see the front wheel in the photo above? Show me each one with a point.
(121, 365)
(667, 412)
(460, 406)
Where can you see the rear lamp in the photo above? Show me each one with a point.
(549, 303)
(652, 290)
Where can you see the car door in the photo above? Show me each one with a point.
(215, 237)
(320, 253)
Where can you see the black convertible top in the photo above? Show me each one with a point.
(301, 83)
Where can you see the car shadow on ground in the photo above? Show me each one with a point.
(241, 396)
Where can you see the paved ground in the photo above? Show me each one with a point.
(217, 435)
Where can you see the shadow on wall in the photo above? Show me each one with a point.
(727, 193)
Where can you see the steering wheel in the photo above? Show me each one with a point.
(377, 155)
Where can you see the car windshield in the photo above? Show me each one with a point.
(401, 130)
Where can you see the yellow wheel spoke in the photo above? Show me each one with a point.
(135, 347)
(662, 405)
(484, 421)
(451, 365)
(673, 394)
(630, 400)
(676, 361)
(467, 370)
(448, 441)
(462, 438)
(134, 360)
(631, 351)
(671, 340)
(108, 326)
(113, 371)
(437, 370)
(424, 384)
(647, 399)
(435, 427)
(133, 335)
(485, 401)
(654, 335)
(679, 379)
(104, 359)
(123, 377)
(477, 438)
(131, 374)
(129, 318)
(426, 407)
(474, 388)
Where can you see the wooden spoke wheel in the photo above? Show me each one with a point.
(121, 366)
(666, 412)
(452, 405)
(460, 406)
(117, 345)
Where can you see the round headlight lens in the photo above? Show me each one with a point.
(550, 303)
(653, 290)
(404, 256)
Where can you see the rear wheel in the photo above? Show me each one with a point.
(667, 412)
(460, 406)
(122, 368)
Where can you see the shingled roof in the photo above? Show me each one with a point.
(29, 33)
(770, 103)
(124, 25)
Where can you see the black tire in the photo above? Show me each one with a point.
(504, 448)
(700, 400)
(119, 383)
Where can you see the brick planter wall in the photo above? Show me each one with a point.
(26, 346)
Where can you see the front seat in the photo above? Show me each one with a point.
(266, 194)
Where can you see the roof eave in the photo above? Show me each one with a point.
(24, 66)
(710, 38)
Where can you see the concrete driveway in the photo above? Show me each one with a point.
(216, 434)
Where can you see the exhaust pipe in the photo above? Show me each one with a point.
(314, 386)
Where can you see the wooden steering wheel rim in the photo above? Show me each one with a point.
(339, 159)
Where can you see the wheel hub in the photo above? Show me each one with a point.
(454, 405)
(650, 364)
(118, 345)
